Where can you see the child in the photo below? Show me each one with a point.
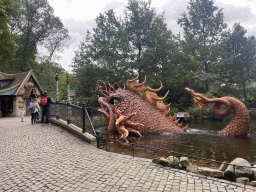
(22, 114)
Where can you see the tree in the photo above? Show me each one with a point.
(55, 42)
(203, 32)
(241, 66)
(38, 24)
(107, 47)
(45, 73)
(7, 39)
(138, 42)
(147, 33)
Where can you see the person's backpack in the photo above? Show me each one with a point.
(44, 101)
(32, 106)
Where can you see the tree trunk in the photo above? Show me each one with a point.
(139, 66)
(245, 94)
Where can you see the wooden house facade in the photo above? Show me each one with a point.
(17, 91)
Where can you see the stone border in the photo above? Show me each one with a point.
(242, 175)
(76, 130)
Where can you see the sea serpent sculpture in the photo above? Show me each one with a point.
(239, 126)
(137, 109)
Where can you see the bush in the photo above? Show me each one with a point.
(90, 101)
(195, 112)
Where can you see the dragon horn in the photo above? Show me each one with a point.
(130, 81)
(136, 78)
(140, 84)
(111, 87)
(185, 128)
(106, 90)
(166, 106)
(161, 98)
(155, 90)
(181, 124)
(167, 111)
(101, 90)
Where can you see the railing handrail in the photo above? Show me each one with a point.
(84, 112)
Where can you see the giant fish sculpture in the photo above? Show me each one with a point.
(139, 110)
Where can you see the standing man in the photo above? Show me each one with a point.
(46, 102)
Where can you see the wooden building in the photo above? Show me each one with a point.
(17, 91)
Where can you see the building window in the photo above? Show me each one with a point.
(4, 84)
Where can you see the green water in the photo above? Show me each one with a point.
(200, 141)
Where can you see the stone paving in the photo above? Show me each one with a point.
(48, 158)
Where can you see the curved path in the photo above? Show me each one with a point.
(47, 158)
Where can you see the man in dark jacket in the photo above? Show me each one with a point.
(46, 108)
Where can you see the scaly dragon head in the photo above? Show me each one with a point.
(123, 97)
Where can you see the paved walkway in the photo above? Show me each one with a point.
(47, 158)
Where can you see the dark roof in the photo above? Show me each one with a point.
(4, 76)
(17, 80)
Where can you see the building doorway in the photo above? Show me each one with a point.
(6, 106)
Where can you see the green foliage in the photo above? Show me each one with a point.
(39, 24)
(23, 26)
(172, 110)
(195, 112)
(240, 66)
(140, 42)
(89, 101)
(45, 74)
(203, 31)
(209, 94)
(7, 39)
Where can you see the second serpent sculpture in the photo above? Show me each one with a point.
(139, 110)
(239, 126)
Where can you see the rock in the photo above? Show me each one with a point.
(192, 168)
(254, 172)
(185, 162)
(174, 161)
(161, 161)
(223, 166)
(253, 183)
(239, 171)
(156, 160)
(210, 172)
(243, 180)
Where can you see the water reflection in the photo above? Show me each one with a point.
(200, 141)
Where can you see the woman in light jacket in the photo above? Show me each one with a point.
(34, 113)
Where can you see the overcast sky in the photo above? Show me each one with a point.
(79, 16)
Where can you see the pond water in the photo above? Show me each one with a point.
(201, 141)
